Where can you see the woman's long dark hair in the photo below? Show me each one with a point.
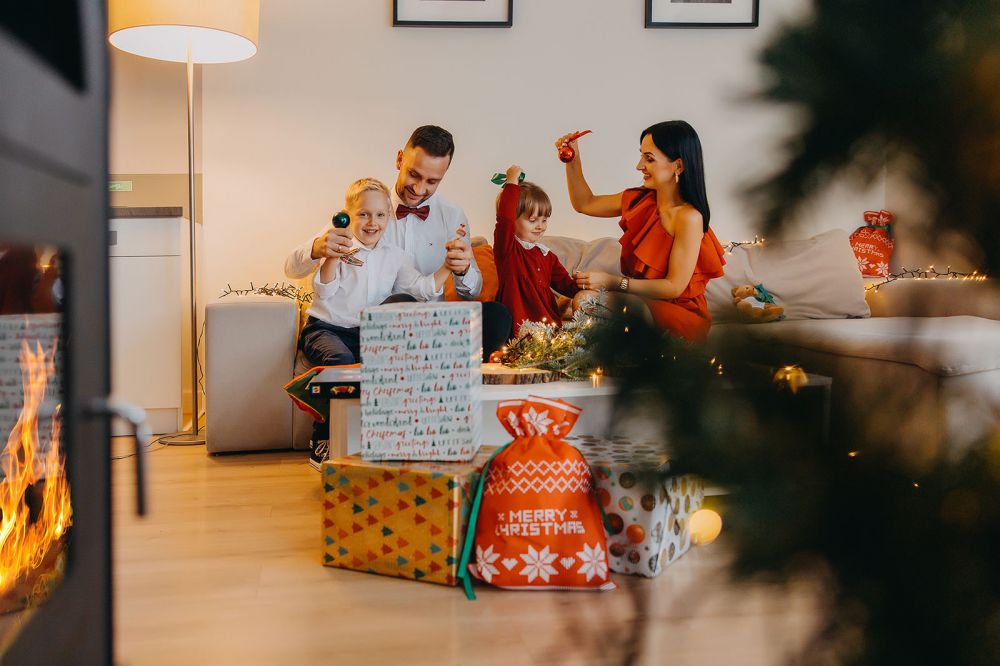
(677, 139)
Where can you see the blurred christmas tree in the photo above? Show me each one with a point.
(912, 557)
(912, 84)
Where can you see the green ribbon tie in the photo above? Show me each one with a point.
(470, 531)
(887, 227)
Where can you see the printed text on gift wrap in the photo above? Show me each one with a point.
(420, 378)
(538, 522)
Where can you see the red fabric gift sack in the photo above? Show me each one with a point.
(536, 519)
(873, 243)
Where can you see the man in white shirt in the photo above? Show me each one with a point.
(426, 226)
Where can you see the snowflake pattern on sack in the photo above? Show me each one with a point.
(594, 562)
(515, 424)
(882, 269)
(485, 563)
(536, 423)
(538, 564)
(562, 428)
(862, 264)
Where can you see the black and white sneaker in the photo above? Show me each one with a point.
(318, 453)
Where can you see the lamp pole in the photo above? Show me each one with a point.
(197, 32)
(195, 412)
(191, 437)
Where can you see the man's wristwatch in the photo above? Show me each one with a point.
(623, 284)
(462, 274)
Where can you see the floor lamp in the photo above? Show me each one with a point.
(195, 32)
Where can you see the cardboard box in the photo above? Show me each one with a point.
(648, 513)
(398, 519)
(420, 381)
(341, 387)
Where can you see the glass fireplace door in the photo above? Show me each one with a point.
(55, 559)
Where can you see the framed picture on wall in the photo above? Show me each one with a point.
(701, 13)
(453, 13)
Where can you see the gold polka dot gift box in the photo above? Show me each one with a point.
(404, 519)
(648, 515)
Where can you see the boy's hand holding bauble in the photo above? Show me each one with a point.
(341, 220)
(334, 243)
(514, 174)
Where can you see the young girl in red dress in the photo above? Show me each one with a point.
(527, 269)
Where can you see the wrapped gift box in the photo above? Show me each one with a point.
(420, 381)
(398, 519)
(649, 523)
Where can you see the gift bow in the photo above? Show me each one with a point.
(881, 219)
(537, 416)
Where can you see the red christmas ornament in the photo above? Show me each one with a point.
(566, 153)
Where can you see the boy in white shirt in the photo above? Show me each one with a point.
(423, 224)
(331, 335)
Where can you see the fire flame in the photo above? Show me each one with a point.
(25, 541)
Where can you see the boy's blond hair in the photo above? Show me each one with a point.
(533, 198)
(359, 187)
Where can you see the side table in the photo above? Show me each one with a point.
(595, 400)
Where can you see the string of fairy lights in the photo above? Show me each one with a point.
(267, 289)
(927, 274)
(732, 245)
(930, 273)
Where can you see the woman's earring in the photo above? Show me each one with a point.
(677, 176)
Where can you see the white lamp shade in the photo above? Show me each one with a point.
(213, 31)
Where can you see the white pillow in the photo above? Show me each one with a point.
(601, 254)
(719, 291)
(815, 278)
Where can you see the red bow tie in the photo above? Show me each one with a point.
(422, 212)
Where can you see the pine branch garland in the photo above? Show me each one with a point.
(567, 349)
(277, 289)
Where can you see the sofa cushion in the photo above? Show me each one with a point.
(935, 298)
(944, 346)
(815, 278)
(488, 267)
(601, 254)
(250, 344)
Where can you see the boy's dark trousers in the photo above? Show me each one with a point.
(326, 344)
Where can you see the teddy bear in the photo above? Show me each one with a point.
(756, 305)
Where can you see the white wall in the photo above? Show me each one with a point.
(148, 119)
(335, 90)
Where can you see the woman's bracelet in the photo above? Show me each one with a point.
(623, 285)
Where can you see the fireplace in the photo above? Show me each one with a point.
(55, 527)
(35, 508)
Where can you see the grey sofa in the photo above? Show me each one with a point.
(922, 354)
(250, 354)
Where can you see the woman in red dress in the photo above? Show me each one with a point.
(668, 252)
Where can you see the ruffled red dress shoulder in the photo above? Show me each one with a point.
(645, 255)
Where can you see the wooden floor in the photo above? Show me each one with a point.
(226, 569)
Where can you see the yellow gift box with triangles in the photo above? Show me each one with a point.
(404, 519)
